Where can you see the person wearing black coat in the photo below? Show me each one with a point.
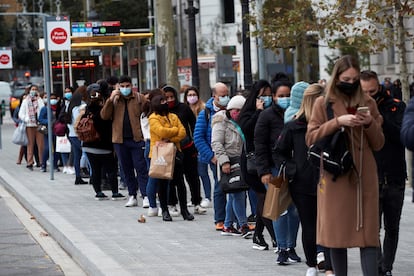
(100, 152)
(190, 165)
(391, 167)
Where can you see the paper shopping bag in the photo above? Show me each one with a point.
(62, 144)
(162, 161)
(277, 198)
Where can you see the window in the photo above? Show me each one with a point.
(228, 11)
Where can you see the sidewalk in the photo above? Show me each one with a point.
(104, 237)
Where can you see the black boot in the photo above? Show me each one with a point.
(186, 214)
(166, 216)
(80, 181)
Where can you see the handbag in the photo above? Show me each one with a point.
(19, 135)
(233, 182)
(162, 160)
(63, 144)
(251, 163)
(331, 153)
(42, 129)
(278, 197)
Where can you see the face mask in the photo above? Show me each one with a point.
(68, 95)
(33, 93)
(45, 101)
(347, 88)
(267, 101)
(171, 104)
(234, 114)
(223, 101)
(125, 90)
(53, 102)
(192, 99)
(283, 102)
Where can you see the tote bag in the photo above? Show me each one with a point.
(162, 160)
(277, 198)
(63, 144)
(233, 182)
(20, 135)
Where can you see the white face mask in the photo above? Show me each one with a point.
(192, 99)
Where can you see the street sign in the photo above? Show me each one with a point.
(93, 29)
(6, 61)
(58, 33)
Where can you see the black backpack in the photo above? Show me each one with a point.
(332, 152)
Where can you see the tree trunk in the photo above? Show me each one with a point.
(301, 54)
(166, 39)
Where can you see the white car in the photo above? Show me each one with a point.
(5, 93)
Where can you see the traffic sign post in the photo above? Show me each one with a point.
(6, 61)
(58, 33)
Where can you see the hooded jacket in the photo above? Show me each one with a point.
(202, 133)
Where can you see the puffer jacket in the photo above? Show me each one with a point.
(407, 128)
(202, 133)
(226, 140)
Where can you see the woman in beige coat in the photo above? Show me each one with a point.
(348, 207)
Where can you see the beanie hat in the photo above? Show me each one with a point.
(296, 96)
(93, 87)
(236, 102)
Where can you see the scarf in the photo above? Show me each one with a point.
(32, 105)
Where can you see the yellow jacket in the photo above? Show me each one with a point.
(165, 128)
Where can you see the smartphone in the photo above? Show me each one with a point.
(363, 109)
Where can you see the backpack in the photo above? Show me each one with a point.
(86, 130)
(331, 153)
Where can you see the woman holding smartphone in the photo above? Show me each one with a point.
(348, 206)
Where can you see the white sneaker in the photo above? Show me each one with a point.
(312, 271)
(205, 203)
(64, 170)
(159, 212)
(132, 201)
(152, 212)
(145, 202)
(173, 211)
(199, 210)
(190, 204)
(320, 260)
(70, 170)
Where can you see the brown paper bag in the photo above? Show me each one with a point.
(277, 198)
(162, 161)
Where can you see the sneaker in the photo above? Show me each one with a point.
(245, 231)
(132, 201)
(283, 257)
(259, 243)
(70, 170)
(251, 219)
(388, 273)
(153, 212)
(145, 202)
(43, 169)
(205, 203)
(122, 186)
(311, 271)
(159, 212)
(65, 170)
(173, 211)
(199, 210)
(293, 257)
(118, 196)
(230, 231)
(320, 260)
(101, 196)
(252, 227)
(219, 226)
(190, 204)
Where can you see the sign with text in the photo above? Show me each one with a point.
(90, 29)
(58, 33)
(6, 61)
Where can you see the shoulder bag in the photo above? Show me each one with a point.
(233, 182)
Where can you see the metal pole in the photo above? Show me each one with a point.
(62, 58)
(260, 49)
(47, 88)
(246, 46)
(70, 69)
(191, 11)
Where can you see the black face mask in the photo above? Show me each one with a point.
(347, 88)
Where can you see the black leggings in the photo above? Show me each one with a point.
(262, 222)
(368, 257)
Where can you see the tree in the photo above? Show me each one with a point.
(166, 39)
(132, 14)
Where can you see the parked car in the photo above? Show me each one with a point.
(15, 98)
(5, 92)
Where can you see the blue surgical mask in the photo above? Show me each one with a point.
(267, 101)
(68, 95)
(53, 101)
(125, 90)
(283, 102)
(33, 93)
(223, 101)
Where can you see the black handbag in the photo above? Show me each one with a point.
(251, 163)
(331, 153)
(233, 182)
(42, 129)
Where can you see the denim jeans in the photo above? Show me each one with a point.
(77, 153)
(152, 182)
(252, 201)
(205, 178)
(131, 157)
(219, 198)
(286, 228)
(236, 208)
(45, 153)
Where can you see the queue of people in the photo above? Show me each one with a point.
(274, 122)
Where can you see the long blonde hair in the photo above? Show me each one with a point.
(341, 65)
(309, 96)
